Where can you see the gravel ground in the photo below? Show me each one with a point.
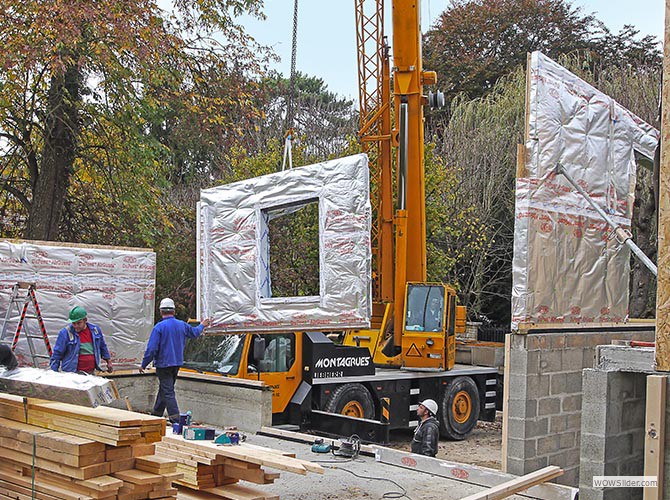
(482, 447)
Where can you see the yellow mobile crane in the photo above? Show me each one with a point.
(375, 380)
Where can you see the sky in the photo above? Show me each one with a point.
(327, 32)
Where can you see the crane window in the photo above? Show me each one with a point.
(279, 353)
(425, 308)
(290, 250)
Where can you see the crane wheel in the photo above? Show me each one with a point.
(460, 408)
(352, 400)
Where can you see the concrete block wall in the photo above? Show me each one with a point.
(217, 401)
(544, 408)
(613, 431)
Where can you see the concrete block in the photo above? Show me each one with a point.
(640, 384)
(558, 423)
(558, 341)
(518, 408)
(551, 361)
(573, 382)
(626, 359)
(537, 386)
(522, 448)
(592, 447)
(548, 406)
(632, 466)
(589, 357)
(621, 386)
(572, 403)
(588, 469)
(570, 477)
(548, 445)
(633, 415)
(567, 440)
(618, 447)
(558, 383)
(577, 340)
(573, 360)
(534, 464)
(594, 418)
(538, 342)
(595, 386)
(516, 428)
(488, 356)
(575, 421)
(537, 427)
(515, 466)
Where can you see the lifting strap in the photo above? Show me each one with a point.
(288, 150)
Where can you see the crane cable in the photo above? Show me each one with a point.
(288, 137)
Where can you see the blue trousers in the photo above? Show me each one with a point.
(166, 397)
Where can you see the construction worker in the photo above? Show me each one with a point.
(166, 349)
(7, 358)
(80, 346)
(433, 321)
(427, 433)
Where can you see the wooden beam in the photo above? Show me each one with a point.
(505, 418)
(654, 449)
(516, 485)
(663, 261)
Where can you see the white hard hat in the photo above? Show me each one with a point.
(166, 304)
(430, 405)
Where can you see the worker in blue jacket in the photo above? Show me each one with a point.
(166, 349)
(80, 346)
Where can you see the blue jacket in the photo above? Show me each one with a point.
(166, 343)
(65, 354)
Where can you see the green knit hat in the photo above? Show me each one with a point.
(77, 314)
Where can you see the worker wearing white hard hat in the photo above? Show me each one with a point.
(166, 349)
(427, 433)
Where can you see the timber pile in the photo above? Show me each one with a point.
(61, 451)
(213, 471)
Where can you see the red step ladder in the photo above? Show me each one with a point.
(23, 295)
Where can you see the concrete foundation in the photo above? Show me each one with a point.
(543, 421)
(613, 431)
(613, 422)
(216, 401)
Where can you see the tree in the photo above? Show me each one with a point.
(476, 42)
(112, 94)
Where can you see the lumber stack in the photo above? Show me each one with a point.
(213, 471)
(60, 451)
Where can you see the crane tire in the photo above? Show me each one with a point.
(353, 400)
(459, 409)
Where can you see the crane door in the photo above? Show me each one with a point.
(428, 337)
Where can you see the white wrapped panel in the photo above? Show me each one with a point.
(234, 249)
(115, 285)
(566, 267)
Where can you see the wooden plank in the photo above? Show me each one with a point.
(300, 437)
(654, 440)
(663, 259)
(40, 486)
(86, 472)
(521, 171)
(525, 328)
(101, 484)
(138, 476)
(518, 484)
(241, 452)
(54, 456)
(470, 474)
(257, 476)
(102, 414)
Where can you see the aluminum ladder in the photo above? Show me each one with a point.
(23, 295)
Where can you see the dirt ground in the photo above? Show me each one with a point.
(482, 447)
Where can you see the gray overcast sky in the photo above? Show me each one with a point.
(327, 32)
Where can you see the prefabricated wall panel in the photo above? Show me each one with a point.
(234, 247)
(115, 285)
(567, 267)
